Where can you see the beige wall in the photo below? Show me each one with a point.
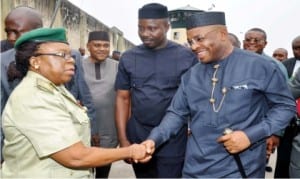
(77, 22)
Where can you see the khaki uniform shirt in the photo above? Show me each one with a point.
(39, 120)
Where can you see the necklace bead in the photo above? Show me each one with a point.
(224, 90)
(216, 66)
(214, 79)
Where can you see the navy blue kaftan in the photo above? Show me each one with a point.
(257, 102)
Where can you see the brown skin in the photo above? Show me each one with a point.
(80, 156)
(116, 56)
(122, 116)
(253, 45)
(153, 33)
(209, 43)
(280, 54)
(99, 50)
(57, 69)
(19, 21)
(296, 47)
(272, 142)
(82, 51)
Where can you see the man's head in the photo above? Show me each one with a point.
(21, 20)
(116, 55)
(234, 40)
(98, 45)
(280, 54)
(208, 37)
(82, 51)
(255, 40)
(153, 25)
(296, 47)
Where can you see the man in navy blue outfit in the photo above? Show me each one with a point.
(147, 80)
(229, 88)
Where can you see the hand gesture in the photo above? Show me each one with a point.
(150, 148)
(139, 153)
(235, 142)
(272, 143)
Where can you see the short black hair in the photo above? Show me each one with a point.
(256, 29)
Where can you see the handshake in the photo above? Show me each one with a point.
(141, 153)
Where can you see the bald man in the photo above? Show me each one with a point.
(280, 54)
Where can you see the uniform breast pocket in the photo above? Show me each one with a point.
(238, 103)
(79, 115)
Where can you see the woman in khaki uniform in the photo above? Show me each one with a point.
(47, 133)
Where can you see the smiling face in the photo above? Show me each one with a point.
(153, 32)
(209, 43)
(59, 70)
(99, 50)
(254, 41)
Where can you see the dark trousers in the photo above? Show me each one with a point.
(102, 172)
(284, 153)
(160, 167)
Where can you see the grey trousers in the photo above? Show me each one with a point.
(294, 169)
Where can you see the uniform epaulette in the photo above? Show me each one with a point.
(44, 85)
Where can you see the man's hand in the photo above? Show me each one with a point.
(150, 148)
(95, 140)
(272, 143)
(235, 142)
(138, 153)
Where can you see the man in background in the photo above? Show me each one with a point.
(255, 41)
(100, 73)
(116, 55)
(82, 51)
(280, 54)
(287, 165)
(234, 40)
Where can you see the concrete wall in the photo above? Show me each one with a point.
(77, 22)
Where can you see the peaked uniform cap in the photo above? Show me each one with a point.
(43, 35)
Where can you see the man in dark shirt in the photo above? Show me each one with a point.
(147, 80)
